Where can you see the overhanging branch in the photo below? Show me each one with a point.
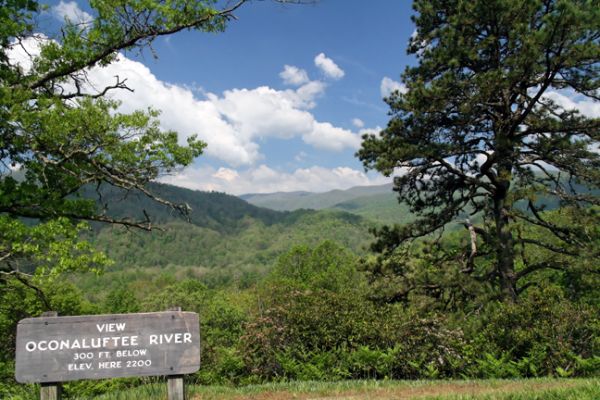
(114, 47)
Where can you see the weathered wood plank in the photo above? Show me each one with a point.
(53, 390)
(175, 388)
(175, 384)
(57, 349)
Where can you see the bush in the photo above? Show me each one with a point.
(543, 334)
(320, 334)
(221, 323)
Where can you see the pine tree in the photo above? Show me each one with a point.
(487, 126)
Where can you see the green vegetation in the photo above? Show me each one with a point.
(317, 315)
(226, 239)
(531, 389)
(382, 208)
(477, 132)
(297, 296)
(375, 203)
(61, 133)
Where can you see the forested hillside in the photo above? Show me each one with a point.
(380, 203)
(213, 210)
(222, 234)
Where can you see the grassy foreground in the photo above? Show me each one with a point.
(522, 389)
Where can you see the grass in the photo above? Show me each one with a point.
(522, 389)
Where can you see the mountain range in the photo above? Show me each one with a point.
(287, 201)
(228, 234)
(375, 203)
(227, 237)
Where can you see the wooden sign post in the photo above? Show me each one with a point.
(175, 386)
(51, 350)
(51, 390)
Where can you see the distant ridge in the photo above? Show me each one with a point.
(290, 201)
(375, 203)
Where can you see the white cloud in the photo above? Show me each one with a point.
(389, 85)
(180, 110)
(293, 76)
(263, 112)
(263, 179)
(71, 11)
(329, 68)
(569, 101)
(323, 135)
(372, 131)
(357, 122)
(307, 93)
(226, 174)
(232, 123)
(23, 53)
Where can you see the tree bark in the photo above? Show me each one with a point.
(505, 254)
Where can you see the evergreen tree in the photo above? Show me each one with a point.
(487, 125)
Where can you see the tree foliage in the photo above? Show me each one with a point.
(485, 128)
(59, 133)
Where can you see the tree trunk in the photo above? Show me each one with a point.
(505, 253)
(505, 263)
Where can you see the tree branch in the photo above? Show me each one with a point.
(119, 85)
(20, 276)
(473, 236)
(541, 266)
(55, 74)
(548, 246)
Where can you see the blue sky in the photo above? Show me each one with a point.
(281, 97)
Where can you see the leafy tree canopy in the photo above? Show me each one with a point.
(58, 133)
(482, 130)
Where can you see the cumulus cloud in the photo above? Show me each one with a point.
(569, 101)
(180, 110)
(309, 92)
(293, 76)
(226, 174)
(232, 123)
(388, 86)
(323, 135)
(70, 11)
(263, 179)
(328, 67)
(24, 52)
(357, 122)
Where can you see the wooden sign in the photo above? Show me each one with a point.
(58, 349)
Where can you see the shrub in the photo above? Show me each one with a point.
(542, 334)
